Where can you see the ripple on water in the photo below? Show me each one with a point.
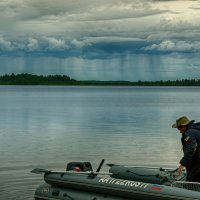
(18, 185)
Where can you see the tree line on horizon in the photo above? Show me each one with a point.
(30, 79)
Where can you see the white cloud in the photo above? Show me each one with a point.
(55, 44)
(77, 44)
(5, 45)
(179, 46)
(106, 39)
(32, 44)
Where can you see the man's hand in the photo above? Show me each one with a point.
(180, 169)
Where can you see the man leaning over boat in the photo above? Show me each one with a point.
(191, 148)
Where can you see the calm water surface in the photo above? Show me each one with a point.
(47, 127)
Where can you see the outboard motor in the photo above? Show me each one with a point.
(80, 166)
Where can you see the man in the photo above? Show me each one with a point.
(191, 148)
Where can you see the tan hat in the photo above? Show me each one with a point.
(182, 121)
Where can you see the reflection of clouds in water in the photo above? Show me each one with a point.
(92, 123)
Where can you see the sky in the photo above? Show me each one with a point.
(101, 39)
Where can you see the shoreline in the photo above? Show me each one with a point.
(64, 80)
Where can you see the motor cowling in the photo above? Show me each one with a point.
(79, 166)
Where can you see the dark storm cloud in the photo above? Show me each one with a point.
(87, 47)
(80, 27)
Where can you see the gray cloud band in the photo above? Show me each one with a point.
(102, 27)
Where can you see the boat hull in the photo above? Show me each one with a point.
(48, 192)
(118, 187)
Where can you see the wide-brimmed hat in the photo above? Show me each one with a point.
(182, 121)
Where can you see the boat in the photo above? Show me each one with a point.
(156, 175)
(146, 184)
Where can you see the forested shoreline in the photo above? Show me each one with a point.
(30, 79)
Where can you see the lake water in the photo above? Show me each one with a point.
(48, 126)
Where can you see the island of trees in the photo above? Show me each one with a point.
(30, 79)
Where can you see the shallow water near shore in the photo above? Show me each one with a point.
(48, 126)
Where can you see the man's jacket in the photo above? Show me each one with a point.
(191, 149)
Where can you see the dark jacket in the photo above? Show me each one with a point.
(191, 149)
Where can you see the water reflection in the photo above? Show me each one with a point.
(49, 126)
